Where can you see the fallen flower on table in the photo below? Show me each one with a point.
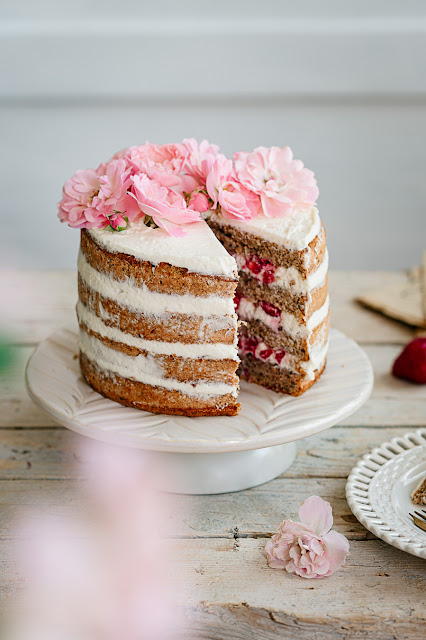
(411, 362)
(308, 548)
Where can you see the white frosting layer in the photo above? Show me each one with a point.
(199, 251)
(216, 351)
(248, 310)
(290, 278)
(294, 231)
(146, 369)
(129, 295)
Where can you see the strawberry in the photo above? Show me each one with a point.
(237, 298)
(270, 309)
(411, 362)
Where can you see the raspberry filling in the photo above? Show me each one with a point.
(261, 269)
(259, 350)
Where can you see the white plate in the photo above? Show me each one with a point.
(267, 419)
(379, 489)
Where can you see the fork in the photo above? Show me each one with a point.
(419, 519)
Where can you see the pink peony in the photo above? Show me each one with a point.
(167, 209)
(92, 196)
(200, 157)
(308, 548)
(281, 182)
(226, 191)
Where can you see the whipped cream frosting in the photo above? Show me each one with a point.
(140, 298)
(214, 351)
(293, 232)
(147, 370)
(199, 251)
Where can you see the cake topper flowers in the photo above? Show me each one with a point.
(169, 186)
(308, 548)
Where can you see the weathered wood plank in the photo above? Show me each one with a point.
(229, 593)
(39, 454)
(253, 513)
(53, 295)
(393, 402)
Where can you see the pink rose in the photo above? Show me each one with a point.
(167, 209)
(308, 548)
(200, 157)
(226, 191)
(77, 197)
(90, 197)
(119, 222)
(162, 163)
(281, 182)
(199, 201)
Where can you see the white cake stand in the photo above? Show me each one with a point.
(204, 455)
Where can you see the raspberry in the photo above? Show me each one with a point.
(268, 276)
(411, 362)
(254, 263)
(270, 309)
(237, 298)
(265, 354)
(249, 345)
(279, 355)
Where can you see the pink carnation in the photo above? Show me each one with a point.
(91, 196)
(200, 157)
(225, 190)
(308, 548)
(281, 182)
(167, 209)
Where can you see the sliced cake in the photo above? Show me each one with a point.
(158, 329)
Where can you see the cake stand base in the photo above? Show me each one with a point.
(211, 473)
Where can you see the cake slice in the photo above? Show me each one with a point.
(419, 494)
(158, 328)
(282, 297)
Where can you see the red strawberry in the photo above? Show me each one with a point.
(270, 309)
(265, 354)
(279, 355)
(254, 263)
(268, 275)
(411, 362)
(237, 298)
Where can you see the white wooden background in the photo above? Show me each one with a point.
(343, 83)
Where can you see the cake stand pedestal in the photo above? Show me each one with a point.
(211, 454)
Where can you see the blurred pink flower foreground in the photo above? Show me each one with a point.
(308, 548)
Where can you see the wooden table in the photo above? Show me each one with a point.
(231, 593)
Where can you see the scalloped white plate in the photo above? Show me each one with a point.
(266, 419)
(379, 491)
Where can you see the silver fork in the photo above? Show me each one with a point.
(419, 519)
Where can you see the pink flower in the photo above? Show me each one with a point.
(200, 157)
(281, 182)
(91, 197)
(308, 548)
(199, 201)
(167, 209)
(226, 191)
(162, 163)
(119, 222)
